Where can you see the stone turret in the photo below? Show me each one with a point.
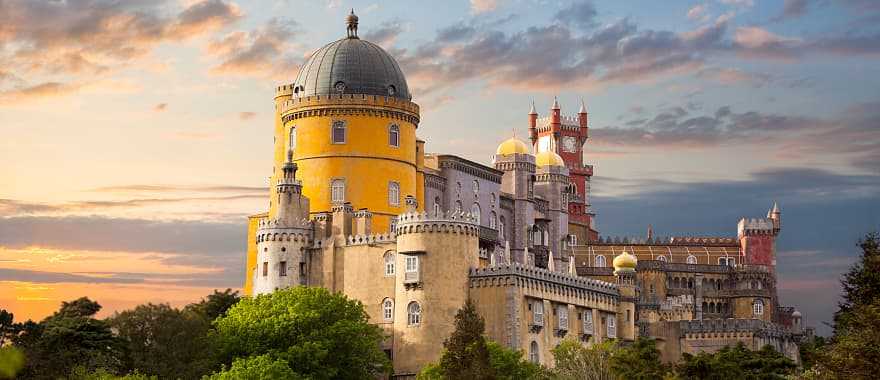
(625, 271)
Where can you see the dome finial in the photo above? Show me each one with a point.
(352, 22)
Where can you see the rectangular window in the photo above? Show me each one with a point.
(337, 190)
(265, 268)
(338, 132)
(538, 313)
(588, 322)
(412, 263)
(394, 136)
(612, 328)
(282, 269)
(562, 312)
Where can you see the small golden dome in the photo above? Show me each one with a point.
(548, 158)
(624, 262)
(511, 146)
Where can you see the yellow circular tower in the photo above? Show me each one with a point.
(350, 122)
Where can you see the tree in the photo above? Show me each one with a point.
(861, 285)
(11, 361)
(509, 364)
(69, 338)
(7, 327)
(215, 305)
(574, 361)
(810, 351)
(164, 341)
(737, 362)
(466, 355)
(639, 361)
(316, 333)
(855, 351)
(256, 368)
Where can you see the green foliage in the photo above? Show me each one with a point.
(861, 285)
(320, 335)
(855, 353)
(736, 362)
(11, 361)
(639, 361)
(574, 361)
(70, 338)
(466, 355)
(810, 351)
(7, 327)
(81, 373)
(431, 371)
(261, 367)
(509, 364)
(215, 305)
(164, 341)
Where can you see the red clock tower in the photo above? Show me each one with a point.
(566, 135)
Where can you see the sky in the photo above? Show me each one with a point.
(137, 135)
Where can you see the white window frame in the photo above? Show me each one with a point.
(388, 310)
(394, 135)
(601, 262)
(394, 193)
(662, 258)
(389, 263)
(534, 355)
(437, 208)
(412, 264)
(691, 259)
(291, 139)
(611, 322)
(538, 312)
(758, 307)
(475, 212)
(413, 314)
(493, 220)
(572, 239)
(587, 322)
(476, 187)
(501, 227)
(337, 190)
(562, 317)
(338, 124)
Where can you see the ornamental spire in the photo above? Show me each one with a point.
(352, 24)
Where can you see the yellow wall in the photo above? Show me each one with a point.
(366, 161)
(253, 223)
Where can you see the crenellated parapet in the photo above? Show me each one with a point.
(448, 222)
(349, 104)
(370, 239)
(706, 328)
(545, 276)
(756, 227)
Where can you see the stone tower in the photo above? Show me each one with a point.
(625, 272)
(513, 158)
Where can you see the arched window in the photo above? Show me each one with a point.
(476, 187)
(534, 355)
(493, 198)
(393, 193)
(388, 310)
(337, 190)
(338, 134)
(493, 220)
(458, 206)
(394, 135)
(501, 227)
(458, 189)
(389, 263)
(291, 140)
(413, 314)
(475, 212)
(691, 259)
(437, 206)
(661, 258)
(600, 261)
(758, 307)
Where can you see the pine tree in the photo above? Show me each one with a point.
(861, 285)
(466, 354)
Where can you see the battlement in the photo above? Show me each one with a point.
(347, 100)
(755, 226)
(284, 90)
(544, 275)
(443, 222)
(566, 121)
(370, 239)
(713, 326)
(277, 224)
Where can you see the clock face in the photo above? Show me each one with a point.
(569, 144)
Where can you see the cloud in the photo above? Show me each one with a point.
(385, 34)
(160, 107)
(792, 9)
(177, 188)
(25, 275)
(36, 92)
(247, 115)
(698, 12)
(730, 76)
(259, 52)
(482, 6)
(10, 207)
(581, 14)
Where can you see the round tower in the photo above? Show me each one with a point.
(552, 184)
(352, 126)
(625, 271)
(436, 253)
(513, 158)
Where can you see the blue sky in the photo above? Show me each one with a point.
(138, 133)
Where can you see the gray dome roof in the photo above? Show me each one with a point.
(351, 66)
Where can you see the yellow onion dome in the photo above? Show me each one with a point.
(511, 146)
(548, 158)
(624, 262)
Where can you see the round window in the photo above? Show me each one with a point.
(339, 86)
(392, 90)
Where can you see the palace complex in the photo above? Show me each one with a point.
(358, 206)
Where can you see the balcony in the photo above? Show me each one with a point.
(488, 234)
